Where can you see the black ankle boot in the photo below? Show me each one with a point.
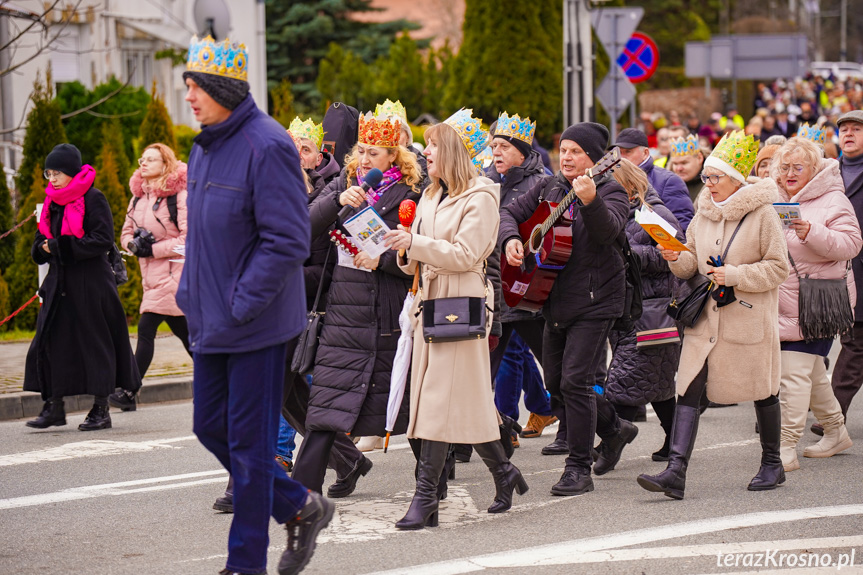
(772, 472)
(423, 511)
(52, 414)
(345, 486)
(672, 481)
(612, 448)
(98, 418)
(225, 503)
(507, 477)
(662, 453)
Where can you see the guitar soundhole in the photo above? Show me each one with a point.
(535, 239)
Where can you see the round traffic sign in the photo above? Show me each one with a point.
(640, 58)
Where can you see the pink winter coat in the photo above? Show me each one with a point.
(161, 276)
(833, 239)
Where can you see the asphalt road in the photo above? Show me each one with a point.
(137, 499)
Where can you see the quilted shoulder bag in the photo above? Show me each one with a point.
(303, 361)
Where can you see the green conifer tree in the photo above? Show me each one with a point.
(156, 126)
(7, 221)
(283, 103)
(4, 302)
(22, 275)
(401, 75)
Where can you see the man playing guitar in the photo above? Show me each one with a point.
(586, 298)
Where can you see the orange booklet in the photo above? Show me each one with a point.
(659, 229)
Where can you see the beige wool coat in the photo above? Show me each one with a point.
(739, 342)
(451, 396)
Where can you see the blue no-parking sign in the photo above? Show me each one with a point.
(640, 58)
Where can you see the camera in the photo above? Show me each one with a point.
(142, 243)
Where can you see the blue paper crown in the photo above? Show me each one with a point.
(469, 130)
(687, 146)
(515, 127)
(813, 133)
(226, 58)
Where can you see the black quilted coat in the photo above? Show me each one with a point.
(640, 376)
(351, 380)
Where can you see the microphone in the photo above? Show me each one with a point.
(372, 179)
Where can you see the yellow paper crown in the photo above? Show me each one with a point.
(308, 129)
(469, 130)
(738, 150)
(383, 132)
(390, 108)
(515, 127)
(687, 146)
(813, 133)
(225, 58)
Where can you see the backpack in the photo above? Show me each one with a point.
(633, 302)
(172, 208)
(341, 130)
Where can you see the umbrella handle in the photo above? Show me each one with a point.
(416, 280)
(387, 442)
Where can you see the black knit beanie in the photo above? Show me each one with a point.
(592, 137)
(64, 158)
(227, 92)
(520, 145)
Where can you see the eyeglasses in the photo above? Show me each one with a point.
(712, 178)
(142, 161)
(48, 174)
(788, 168)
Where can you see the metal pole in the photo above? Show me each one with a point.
(7, 108)
(614, 99)
(843, 30)
(261, 56)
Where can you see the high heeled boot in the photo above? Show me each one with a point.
(772, 472)
(448, 472)
(507, 477)
(53, 413)
(672, 481)
(423, 511)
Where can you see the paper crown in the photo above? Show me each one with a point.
(738, 151)
(813, 133)
(308, 129)
(390, 108)
(383, 132)
(483, 160)
(225, 58)
(687, 146)
(469, 130)
(515, 127)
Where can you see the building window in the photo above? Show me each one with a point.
(139, 66)
(65, 56)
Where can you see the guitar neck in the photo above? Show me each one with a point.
(561, 207)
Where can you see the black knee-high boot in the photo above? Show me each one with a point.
(448, 472)
(771, 472)
(424, 506)
(507, 477)
(672, 481)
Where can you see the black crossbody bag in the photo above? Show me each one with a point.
(303, 361)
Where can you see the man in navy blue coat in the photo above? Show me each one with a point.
(241, 291)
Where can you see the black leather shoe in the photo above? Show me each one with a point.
(123, 400)
(227, 571)
(303, 531)
(53, 414)
(225, 503)
(98, 418)
(556, 447)
(612, 448)
(345, 486)
(573, 483)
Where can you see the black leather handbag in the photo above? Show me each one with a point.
(118, 266)
(303, 361)
(454, 318)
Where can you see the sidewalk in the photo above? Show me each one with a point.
(168, 379)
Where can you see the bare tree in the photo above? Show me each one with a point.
(48, 33)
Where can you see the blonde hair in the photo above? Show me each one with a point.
(169, 165)
(402, 157)
(453, 162)
(812, 155)
(633, 179)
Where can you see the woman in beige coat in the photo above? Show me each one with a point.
(732, 352)
(451, 394)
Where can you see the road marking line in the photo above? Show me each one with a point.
(92, 448)
(563, 553)
(106, 489)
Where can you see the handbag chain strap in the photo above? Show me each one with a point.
(321, 283)
(793, 265)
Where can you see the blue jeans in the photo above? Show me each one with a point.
(238, 398)
(518, 372)
(286, 444)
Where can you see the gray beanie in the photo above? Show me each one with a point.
(227, 92)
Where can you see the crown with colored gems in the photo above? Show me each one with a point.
(226, 58)
(515, 127)
(737, 150)
(813, 133)
(383, 132)
(483, 160)
(687, 146)
(308, 129)
(390, 108)
(469, 130)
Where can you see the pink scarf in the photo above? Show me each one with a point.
(390, 178)
(72, 196)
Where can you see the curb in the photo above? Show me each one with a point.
(156, 390)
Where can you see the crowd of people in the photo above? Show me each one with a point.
(256, 208)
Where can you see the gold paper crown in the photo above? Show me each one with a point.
(515, 127)
(225, 58)
(308, 129)
(469, 130)
(738, 151)
(390, 108)
(813, 133)
(383, 132)
(687, 146)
